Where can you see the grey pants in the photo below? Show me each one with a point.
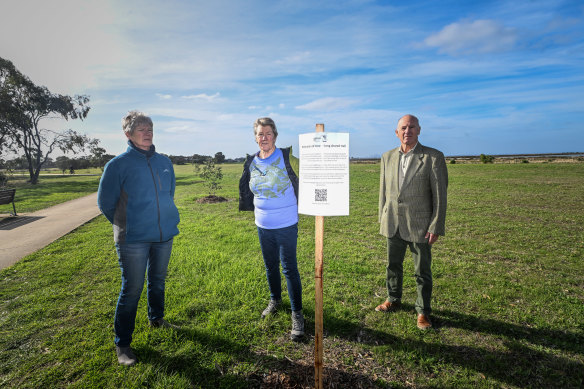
(422, 255)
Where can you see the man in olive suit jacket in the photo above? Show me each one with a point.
(412, 213)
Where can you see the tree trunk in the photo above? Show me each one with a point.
(34, 179)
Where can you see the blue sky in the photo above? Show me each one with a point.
(491, 77)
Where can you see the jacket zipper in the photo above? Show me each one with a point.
(157, 201)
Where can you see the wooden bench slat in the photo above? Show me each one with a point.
(7, 197)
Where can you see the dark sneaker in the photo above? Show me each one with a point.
(161, 323)
(125, 356)
(297, 325)
(272, 307)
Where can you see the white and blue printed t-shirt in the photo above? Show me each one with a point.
(274, 201)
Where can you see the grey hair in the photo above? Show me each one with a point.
(133, 119)
(265, 122)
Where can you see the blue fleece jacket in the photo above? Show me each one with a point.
(136, 194)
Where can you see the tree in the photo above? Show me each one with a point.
(484, 158)
(63, 163)
(99, 157)
(17, 163)
(196, 158)
(212, 175)
(23, 108)
(83, 162)
(219, 157)
(178, 159)
(5, 171)
(49, 163)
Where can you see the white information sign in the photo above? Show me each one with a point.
(324, 174)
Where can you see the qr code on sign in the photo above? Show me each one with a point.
(320, 195)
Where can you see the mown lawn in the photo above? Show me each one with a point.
(50, 190)
(508, 297)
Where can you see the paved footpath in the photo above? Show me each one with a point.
(29, 232)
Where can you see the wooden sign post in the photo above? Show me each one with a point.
(324, 191)
(318, 303)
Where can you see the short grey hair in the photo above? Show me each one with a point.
(133, 119)
(265, 122)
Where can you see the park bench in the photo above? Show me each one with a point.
(7, 197)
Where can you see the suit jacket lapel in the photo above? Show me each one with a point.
(415, 164)
(392, 168)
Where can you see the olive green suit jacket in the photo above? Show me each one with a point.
(419, 206)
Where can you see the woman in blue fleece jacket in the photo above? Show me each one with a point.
(136, 194)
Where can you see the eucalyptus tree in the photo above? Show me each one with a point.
(25, 108)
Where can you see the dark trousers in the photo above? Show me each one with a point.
(422, 255)
(279, 247)
(137, 260)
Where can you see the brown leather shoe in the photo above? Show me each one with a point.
(388, 306)
(424, 322)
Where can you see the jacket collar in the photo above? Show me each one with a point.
(143, 153)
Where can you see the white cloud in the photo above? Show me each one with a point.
(327, 104)
(163, 96)
(295, 58)
(181, 129)
(480, 36)
(202, 96)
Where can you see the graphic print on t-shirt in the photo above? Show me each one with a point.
(269, 181)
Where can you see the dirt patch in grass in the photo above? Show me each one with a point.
(345, 366)
(211, 199)
(301, 375)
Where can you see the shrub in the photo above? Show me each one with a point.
(452, 161)
(212, 175)
(486, 158)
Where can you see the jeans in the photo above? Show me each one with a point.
(422, 255)
(279, 246)
(136, 260)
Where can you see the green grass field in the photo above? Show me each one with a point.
(50, 190)
(508, 297)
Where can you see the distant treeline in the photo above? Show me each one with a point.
(201, 159)
(535, 155)
(98, 161)
(503, 156)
